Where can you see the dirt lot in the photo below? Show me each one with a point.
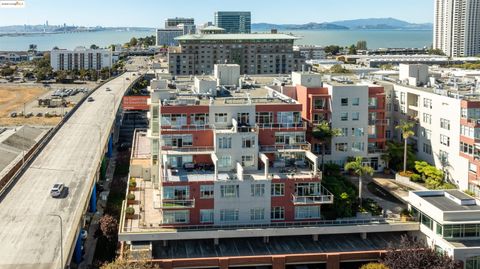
(12, 98)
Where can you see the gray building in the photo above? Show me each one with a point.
(255, 53)
(174, 22)
(234, 22)
(166, 37)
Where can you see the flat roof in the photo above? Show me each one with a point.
(236, 37)
(182, 249)
(445, 204)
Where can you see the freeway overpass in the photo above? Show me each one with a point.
(29, 237)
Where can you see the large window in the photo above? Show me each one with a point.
(427, 221)
(278, 213)
(199, 119)
(427, 118)
(243, 118)
(341, 147)
(278, 189)
(174, 120)
(257, 214)
(445, 124)
(445, 140)
(427, 103)
(427, 133)
(307, 212)
(248, 142)
(289, 138)
(177, 140)
(206, 215)
(225, 161)
(225, 142)
(229, 191)
(358, 146)
(427, 148)
(206, 191)
(175, 216)
(264, 117)
(228, 215)
(221, 117)
(287, 118)
(248, 161)
(308, 189)
(372, 102)
(473, 263)
(176, 192)
(257, 190)
(319, 103)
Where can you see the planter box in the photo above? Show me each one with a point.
(402, 179)
(407, 182)
(131, 202)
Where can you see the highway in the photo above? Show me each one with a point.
(29, 237)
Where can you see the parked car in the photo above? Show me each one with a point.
(108, 89)
(57, 190)
(83, 234)
(90, 99)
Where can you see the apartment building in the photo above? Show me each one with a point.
(234, 22)
(311, 52)
(255, 53)
(356, 108)
(457, 27)
(174, 22)
(175, 27)
(450, 223)
(80, 58)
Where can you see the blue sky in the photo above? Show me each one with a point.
(152, 13)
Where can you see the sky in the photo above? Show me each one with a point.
(152, 13)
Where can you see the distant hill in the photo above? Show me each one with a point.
(370, 24)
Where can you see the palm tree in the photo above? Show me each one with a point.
(324, 133)
(406, 128)
(360, 170)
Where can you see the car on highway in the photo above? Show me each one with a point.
(90, 99)
(108, 89)
(57, 190)
(127, 79)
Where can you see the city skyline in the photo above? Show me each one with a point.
(58, 12)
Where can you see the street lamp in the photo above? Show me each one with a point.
(61, 238)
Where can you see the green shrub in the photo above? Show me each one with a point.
(448, 186)
(131, 196)
(416, 178)
(130, 211)
(132, 183)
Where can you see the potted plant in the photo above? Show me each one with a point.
(130, 198)
(129, 212)
(405, 215)
(132, 184)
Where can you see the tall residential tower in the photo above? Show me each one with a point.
(457, 27)
(234, 22)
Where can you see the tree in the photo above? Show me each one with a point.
(360, 170)
(109, 226)
(133, 42)
(374, 265)
(93, 47)
(339, 69)
(127, 263)
(436, 52)
(332, 49)
(406, 128)
(324, 133)
(352, 50)
(413, 253)
(7, 71)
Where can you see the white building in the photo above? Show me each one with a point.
(166, 37)
(415, 74)
(311, 52)
(80, 58)
(457, 27)
(227, 74)
(450, 223)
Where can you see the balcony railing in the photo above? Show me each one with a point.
(313, 199)
(378, 122)
(273, 148)
(174, 204)
(187, 127)
(375, 150)
(188, 149)
(276, 126)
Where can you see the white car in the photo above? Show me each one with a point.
(57, 190)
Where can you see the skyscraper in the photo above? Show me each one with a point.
(457, 27)
(234, 22)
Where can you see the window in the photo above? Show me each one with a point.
(224, 142)
(319, 104)
(344, 116)
(229, 191)
(247, 161)
(427, 103)
(402, 98)
(264, 117)
(206, 191)
(278, 213)
(358, 146)
(355, 115)
(427, 118)
(206, 215)
(288, 117)
(443, 156)
(356, 101)
(278, 189)
(175, 216)
(199, 119)
(243, 118)
(257, 190)
(174, 120)
(344, 101)
(466, 148)
(177, 140)
(248, 142)
(307, 212)
(227, 215)
(444, 140)
(388, 134)
(445, 124)
(176, 192)
(221, 117)
(358, 132)
(257, 214)
(427, 148)
(289, 138)
(427, 133)
(342, 147)
(472, 167)
(427, 221)
(344, 132)
(372, 102)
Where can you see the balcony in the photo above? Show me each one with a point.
(313, 199)
(277, 126)
(187, 128)
(287, 148)
(372, 122)
(175, 204)
(187, 150)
